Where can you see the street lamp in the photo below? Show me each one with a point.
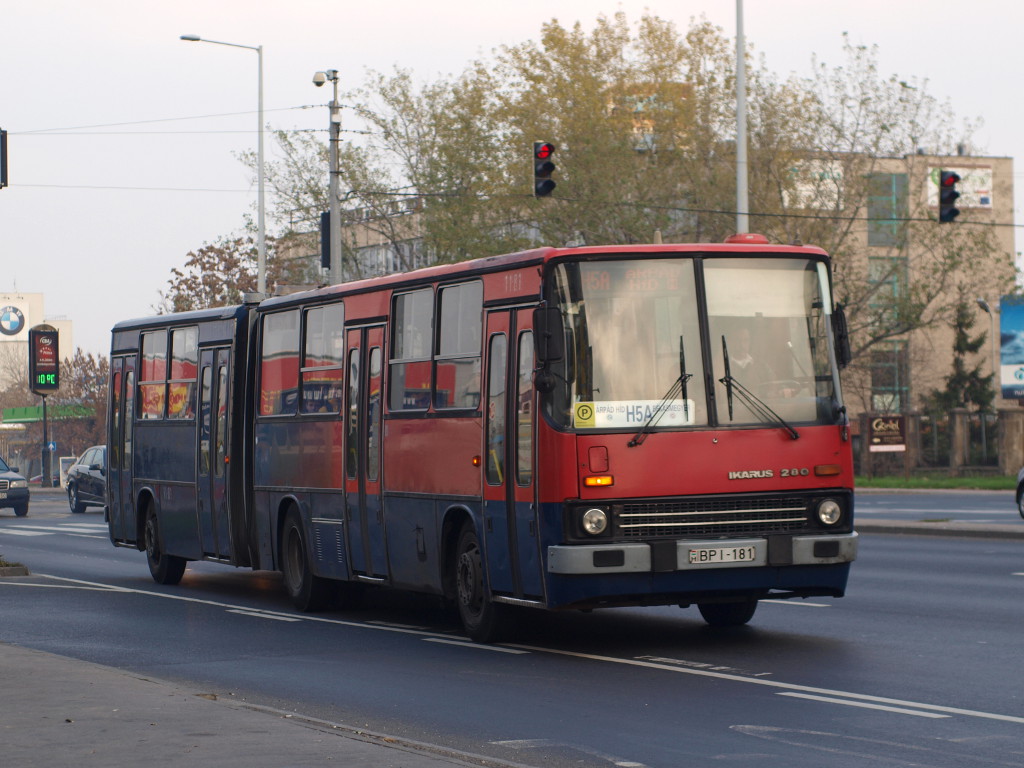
(336, 274)
(261, 241)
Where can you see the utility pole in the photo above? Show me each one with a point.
(742, 201)
(337, 273)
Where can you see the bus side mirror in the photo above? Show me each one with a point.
(841, 336)
(547, 332)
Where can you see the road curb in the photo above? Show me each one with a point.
(13, 570)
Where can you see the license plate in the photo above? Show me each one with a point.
(709, 555)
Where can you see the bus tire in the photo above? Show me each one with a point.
(483, 620)
(165, 569)
(307, 592)
(728, 614)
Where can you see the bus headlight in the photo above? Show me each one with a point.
(595, 521)
(829, 512)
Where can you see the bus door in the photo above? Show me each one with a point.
(119, 448)
(364, 510)
(510, 505)
(211, 496)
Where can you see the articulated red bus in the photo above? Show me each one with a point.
(558, 428)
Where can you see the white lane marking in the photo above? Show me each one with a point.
(17, 532)
(395, 624)
(774, 684)
(1017, 574)
(865, 705)
(479, 646)
(218, 604)
(797, 602)
(96, 588)
(262, 615)
(71, 528)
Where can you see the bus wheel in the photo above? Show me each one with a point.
(483, 620)
(728, 614)
(165, 569)
(307, 592)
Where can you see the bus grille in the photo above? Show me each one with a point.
(713, 517)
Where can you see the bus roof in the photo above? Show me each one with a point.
(535, 256)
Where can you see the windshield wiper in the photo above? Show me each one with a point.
(678, 387)
(754, 404)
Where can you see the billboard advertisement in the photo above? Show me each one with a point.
(1011, 347)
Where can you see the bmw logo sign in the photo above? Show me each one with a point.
(12, 321)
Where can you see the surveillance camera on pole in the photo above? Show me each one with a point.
(333, 219)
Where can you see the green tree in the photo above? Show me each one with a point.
(966, 386)
(218, 274)
(644, 121)
(83, 391)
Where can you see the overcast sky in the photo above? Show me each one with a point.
(95, 218)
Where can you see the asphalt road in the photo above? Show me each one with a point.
(993, 507)
(918, 665)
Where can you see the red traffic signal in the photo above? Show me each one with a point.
(948, 195)
(543, 184)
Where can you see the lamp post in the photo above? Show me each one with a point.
(261, 240)
(742, 194)
(337, 273)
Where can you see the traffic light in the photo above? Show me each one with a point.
(948, 195)
(543, 185)
(43, 360)
(325, 239)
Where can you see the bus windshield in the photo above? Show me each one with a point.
(642, 350)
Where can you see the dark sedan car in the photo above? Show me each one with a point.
(87, 480)
(13, 490)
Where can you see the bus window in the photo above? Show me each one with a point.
(322, 357)
(457, 372)
(411, 330)
(496, 410)
(373, 416)
(152, 377)
(279, 363)
(129, 422)
(352, 437)
(115, 415)
(204, 429)
(221, 424)
(524, 411)
(181, 387)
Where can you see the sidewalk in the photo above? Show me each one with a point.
(62, 712)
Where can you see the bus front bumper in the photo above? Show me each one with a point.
(702, 554)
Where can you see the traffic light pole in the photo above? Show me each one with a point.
(47, 459)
